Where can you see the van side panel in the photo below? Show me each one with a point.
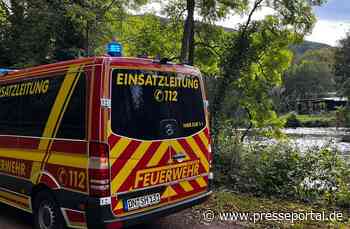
(45, 146)
(96, 121)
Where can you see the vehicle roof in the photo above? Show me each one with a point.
(127, 62)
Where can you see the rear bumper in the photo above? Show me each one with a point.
(96, 220)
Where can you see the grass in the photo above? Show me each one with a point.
(315, 120)
(326, 117)
(224, 201)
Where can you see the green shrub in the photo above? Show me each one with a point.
(280, 170)
(343, 116)
(292, 121)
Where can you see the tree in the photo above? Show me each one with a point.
(310, 76)
(39, 31)
(342, 66)
(309, 79)
(33, 32)
(255, 58)
(149, 35)
(208, 10)
(322, 55)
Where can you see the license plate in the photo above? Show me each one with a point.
(141, 201)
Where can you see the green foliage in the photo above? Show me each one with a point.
(343, 116)
(255, 70)
(226, 201)
(309, 79)
(311, 76)
(214, 10)
(292, 121)
(151, 36)
(306, 46)
(317, 175)
(316, 120)
(255, 58)
(342, 66)
(210, 44)
(37, 31)
(322, 55)
(192, 37)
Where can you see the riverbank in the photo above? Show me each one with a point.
(313, 120)
(225, 202)
(305, 138)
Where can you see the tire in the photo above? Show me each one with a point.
(47, 214)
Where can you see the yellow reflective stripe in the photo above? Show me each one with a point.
(22, 154)
(58, 109)
(129, 166)
(204, 139)
(119, 148)
(109, 128)
(71, 91)
(199, 153)
(169, 192)
(158, 155)
(201, 182)
(77, 161)
(36, 169)
(119, 205)
(23, 200)
(55, 116)
(56, 157)
(186, 186)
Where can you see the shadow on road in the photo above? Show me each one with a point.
(12, 218)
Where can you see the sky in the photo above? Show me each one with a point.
(333, 20)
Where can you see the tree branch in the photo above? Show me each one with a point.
(209, 47)
(250, 124)
(6, 7)
(255, 7)
(107, 8)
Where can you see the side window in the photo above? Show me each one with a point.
(25, 105)
(73, 121)
(25, 108)
(35, 109)
(9, 115)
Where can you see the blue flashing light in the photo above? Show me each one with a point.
(114, 49)
(5, 70)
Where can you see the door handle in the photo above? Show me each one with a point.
(179, 157)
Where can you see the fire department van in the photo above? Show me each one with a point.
(103, 142)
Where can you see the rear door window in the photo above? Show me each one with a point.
(151, 105)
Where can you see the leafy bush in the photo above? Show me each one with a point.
(292, 121)
(280, 170)
(312, 120)
(343, 115)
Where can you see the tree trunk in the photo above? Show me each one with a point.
(215, 110)
(187, 48)
(191, 48)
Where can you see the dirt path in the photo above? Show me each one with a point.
(11, 218)
(189, 220)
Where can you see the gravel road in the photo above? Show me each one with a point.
(11, 218)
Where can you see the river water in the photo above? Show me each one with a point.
(305, 138)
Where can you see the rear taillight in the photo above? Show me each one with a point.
(99, 169)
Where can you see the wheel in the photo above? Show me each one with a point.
(47, 214)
